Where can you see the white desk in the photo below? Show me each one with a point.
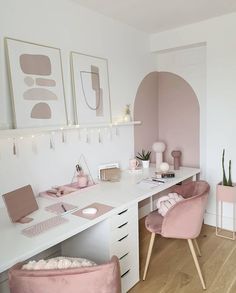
(15, 247)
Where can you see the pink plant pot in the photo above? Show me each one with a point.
(226, 193)
(82, 181)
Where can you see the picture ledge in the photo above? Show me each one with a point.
(9, 133)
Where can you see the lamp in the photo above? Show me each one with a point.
(159, 147)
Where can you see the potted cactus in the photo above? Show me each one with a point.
(145, 158)
(226, 190)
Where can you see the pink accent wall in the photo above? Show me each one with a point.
(179, 118)
(146, 110)
(169, 110)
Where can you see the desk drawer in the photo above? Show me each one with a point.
(120, 231)
(125, 263)
(123, 216)
(126, 280)
(121, 246)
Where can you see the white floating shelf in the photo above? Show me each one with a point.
(20, 132)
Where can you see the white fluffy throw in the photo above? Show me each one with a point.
(164, 203)
(58, 263)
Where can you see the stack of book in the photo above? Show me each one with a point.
(169, 174)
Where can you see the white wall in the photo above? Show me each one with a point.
(66, 25)
(219, 35)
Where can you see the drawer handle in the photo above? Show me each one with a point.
(123, 256)
(122, 225)
(121, 239)
(122, 212)
(125, 273)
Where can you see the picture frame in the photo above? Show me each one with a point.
(91, 90)
(36, 84)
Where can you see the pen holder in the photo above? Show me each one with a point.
(82, 180)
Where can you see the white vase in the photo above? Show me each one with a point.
(145, 164)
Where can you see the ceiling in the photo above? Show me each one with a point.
(153, 16)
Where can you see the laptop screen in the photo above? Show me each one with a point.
(20, 203)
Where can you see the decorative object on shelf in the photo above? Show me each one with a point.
(164, 167)
(145, 158)
(90, 89)
(225, 192)
(133, 164)
(176, 155)
(159, 147)
(37, 89)
(127, 115)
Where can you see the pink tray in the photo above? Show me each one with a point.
(69, 188)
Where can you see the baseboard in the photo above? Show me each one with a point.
(210, 219)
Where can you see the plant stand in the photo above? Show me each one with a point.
(224, 194)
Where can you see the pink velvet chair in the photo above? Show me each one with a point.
(183, 220)
(103, 278)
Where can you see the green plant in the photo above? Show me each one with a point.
(226, 182)
(144, 156)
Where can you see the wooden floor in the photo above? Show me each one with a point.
(172, 268)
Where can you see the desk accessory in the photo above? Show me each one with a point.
(159, 148)
(150, 182)
(20, 203)
(82, 178)
(145, 158)
(89, 211)
(61, 208)
(44, 226)
(72, 187)
(133, 164)
(169, 174)
(82, 173)
(101, 209)
(176, 155)
(164, 167)
(109, 172)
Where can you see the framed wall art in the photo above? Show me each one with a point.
(36, 81)
(90, 89)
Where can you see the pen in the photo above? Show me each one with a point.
(63, 207)
(158, 180)
(70, 211)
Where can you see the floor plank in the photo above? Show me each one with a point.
(172, 269)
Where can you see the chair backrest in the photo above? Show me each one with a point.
(103, 278)
(184, 220)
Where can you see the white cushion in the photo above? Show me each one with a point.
(60, 262)
(164, 203)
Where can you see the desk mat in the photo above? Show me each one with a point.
(101, 209)
(57, 208)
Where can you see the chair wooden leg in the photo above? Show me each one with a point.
(190, 243)
(197, 247)
(149, 255)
